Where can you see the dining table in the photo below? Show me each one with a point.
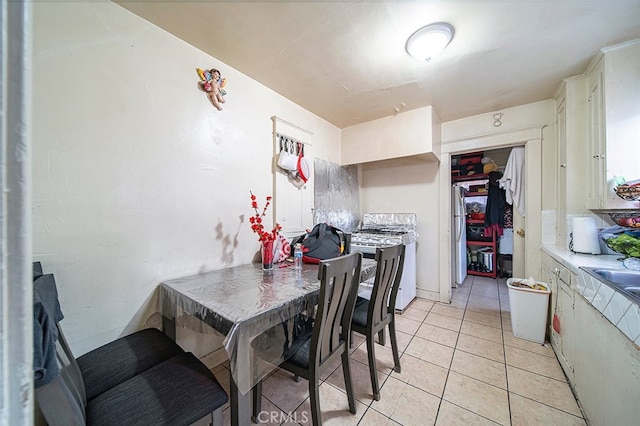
(257, 311)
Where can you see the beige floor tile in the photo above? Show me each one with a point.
(484, 319)
(406, 404)
(506, 325)
(413, 314)
(334, 406)
(543, 389)
(482, 331)
(478, 397)
(403, 340)
(477, 367)
(281, 389)
(481, 347)
(422, 374)
(422, 304)
(443, 321)
(452, 415)
(539, 364)
(490, 291)
(272, 415)
(433, 352)
(406, 325)
(383, 355)
(458, 303)
(447, 310)
(360, 379)
(527, 412)
(373, 417)
(438, 335)
(527, 345)
(484, 305)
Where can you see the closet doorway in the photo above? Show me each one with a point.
(526, 260)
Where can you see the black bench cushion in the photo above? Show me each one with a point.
(178, 391)
(124, 358)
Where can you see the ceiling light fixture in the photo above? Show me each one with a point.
(427, 42)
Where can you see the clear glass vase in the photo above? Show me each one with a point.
(267, 255)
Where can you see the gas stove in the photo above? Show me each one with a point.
(385, 229)
(389, 229)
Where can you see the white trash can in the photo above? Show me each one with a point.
(528, 309)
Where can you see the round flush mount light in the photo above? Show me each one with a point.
(427, 42)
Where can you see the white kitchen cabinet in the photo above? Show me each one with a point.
(562, 305)
(607, 370)
(571, 155)
(613, 120)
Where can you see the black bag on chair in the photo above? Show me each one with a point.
(323, 242)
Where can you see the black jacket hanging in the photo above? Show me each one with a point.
(496, 202)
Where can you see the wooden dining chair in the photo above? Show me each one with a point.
(370, 317)
(329, 339)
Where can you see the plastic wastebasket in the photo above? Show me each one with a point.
(528, 310)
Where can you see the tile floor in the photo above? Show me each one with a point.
(461, 365)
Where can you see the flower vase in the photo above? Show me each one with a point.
(267, 255)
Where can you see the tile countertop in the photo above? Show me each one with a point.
(620, 310)
(575, 260)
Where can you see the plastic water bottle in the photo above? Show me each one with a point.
(297, 256)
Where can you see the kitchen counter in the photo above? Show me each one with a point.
(574, 261)
(598, 343)
(619, 309)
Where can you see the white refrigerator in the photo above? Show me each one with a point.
(459, 235)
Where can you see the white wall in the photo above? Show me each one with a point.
(406, 186)
(136, 177)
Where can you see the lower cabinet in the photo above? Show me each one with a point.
(606, 369)
(562, 334)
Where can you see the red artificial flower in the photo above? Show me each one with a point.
(256, 221)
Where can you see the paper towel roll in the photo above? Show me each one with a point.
(585, 236)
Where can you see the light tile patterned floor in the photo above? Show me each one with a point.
(461, 365)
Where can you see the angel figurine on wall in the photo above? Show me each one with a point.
(212, 83)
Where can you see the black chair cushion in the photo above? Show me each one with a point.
(360, 312)
(124, 358)
(298, 354)
(178, 391)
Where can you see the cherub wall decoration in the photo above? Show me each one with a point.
(212, 83)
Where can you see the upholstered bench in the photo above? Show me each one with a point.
(141, 379)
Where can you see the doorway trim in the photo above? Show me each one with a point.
(531, 138)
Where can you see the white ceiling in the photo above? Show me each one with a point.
(345, 60)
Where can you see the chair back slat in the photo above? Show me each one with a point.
(339, 280)
(390, 261)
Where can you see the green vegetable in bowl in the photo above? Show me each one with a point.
(625, 244)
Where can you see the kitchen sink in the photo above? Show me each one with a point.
(618, 276)
(627, 282)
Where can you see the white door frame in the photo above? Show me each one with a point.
(531, 138)
(16, 300)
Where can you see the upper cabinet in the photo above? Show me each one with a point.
(613, 124)
(412, 134)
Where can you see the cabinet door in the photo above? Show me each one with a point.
(567, 329)
(561, 169)
(596, 136)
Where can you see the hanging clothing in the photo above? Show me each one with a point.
(513, 180)
(496, 202)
